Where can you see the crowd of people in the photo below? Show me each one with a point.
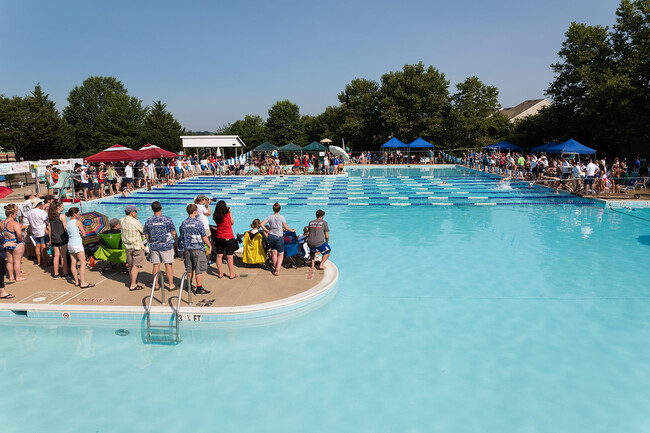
(99, 180)
(39, 229)
(587, 176)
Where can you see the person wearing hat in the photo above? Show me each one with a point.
(132, 234)
(37, 218)
(114, 224)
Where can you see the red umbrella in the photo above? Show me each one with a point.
(151, 151)
(115, 153)
(5, 191)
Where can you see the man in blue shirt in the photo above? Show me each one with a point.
(161, 234)
(194, 243)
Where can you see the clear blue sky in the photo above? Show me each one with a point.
(213, 62)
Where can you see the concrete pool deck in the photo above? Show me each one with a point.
(255, 294)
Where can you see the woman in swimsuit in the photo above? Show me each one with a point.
(13, 234)
(76, 232)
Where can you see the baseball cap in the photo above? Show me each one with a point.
(131, 208)
(113, 222)
(202, 197)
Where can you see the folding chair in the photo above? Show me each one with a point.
(110, 251)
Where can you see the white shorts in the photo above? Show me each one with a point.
(74, 249)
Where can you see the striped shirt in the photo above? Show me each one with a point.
(132, 232)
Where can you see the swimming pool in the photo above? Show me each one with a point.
(454, 318)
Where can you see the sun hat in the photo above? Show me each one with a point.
(36, 201)
(131, 208)
(202, 197)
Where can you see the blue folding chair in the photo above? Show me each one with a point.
(292, 255)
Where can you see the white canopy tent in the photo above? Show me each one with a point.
(213, 141)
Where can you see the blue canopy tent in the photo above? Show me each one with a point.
(544, 147)
(572, 146)
(503, 145)
(419, 143)
(393, 142)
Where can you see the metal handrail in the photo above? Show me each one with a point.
(153, 288)
(189, 289)
(184, 279)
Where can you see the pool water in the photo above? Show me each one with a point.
(513, 318)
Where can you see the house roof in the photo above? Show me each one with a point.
(526, 108)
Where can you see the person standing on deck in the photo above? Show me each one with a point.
(132, 233)
(195, 242)
(162, 238)
(276, 237)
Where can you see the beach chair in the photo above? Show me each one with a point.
(111, 251)
(254, 252)
(633, 184)
(65, 181)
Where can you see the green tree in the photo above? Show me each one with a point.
(121, 122)
(415, 102)
(474, 119)
(360, 115)
(251, 129)
(161, 129)
(284, 124)
(602, 81)
(86, 103)
(550, 124)
(325, 125)
(34, 128)
(11, 123)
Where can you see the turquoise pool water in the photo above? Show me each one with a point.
(503, 318)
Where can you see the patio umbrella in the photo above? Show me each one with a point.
(326, 141)
(5, 191)
(94, 223)
(336, 150)
(115, 153)
(290, 148)
(151, 151)
(314, 146)
(265, 147)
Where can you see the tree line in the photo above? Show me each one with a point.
(600, 96)
(100, 113)
(407, 104)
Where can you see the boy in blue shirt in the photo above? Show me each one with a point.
(194, 240)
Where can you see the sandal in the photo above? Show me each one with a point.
(232, 277)
(138, 287)
(7, 296)
(87, 286)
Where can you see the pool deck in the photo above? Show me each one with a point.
(255, 293)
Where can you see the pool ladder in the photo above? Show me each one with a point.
(166, 333)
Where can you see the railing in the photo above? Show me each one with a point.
(157, 337)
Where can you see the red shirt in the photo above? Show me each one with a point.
(224, 230)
